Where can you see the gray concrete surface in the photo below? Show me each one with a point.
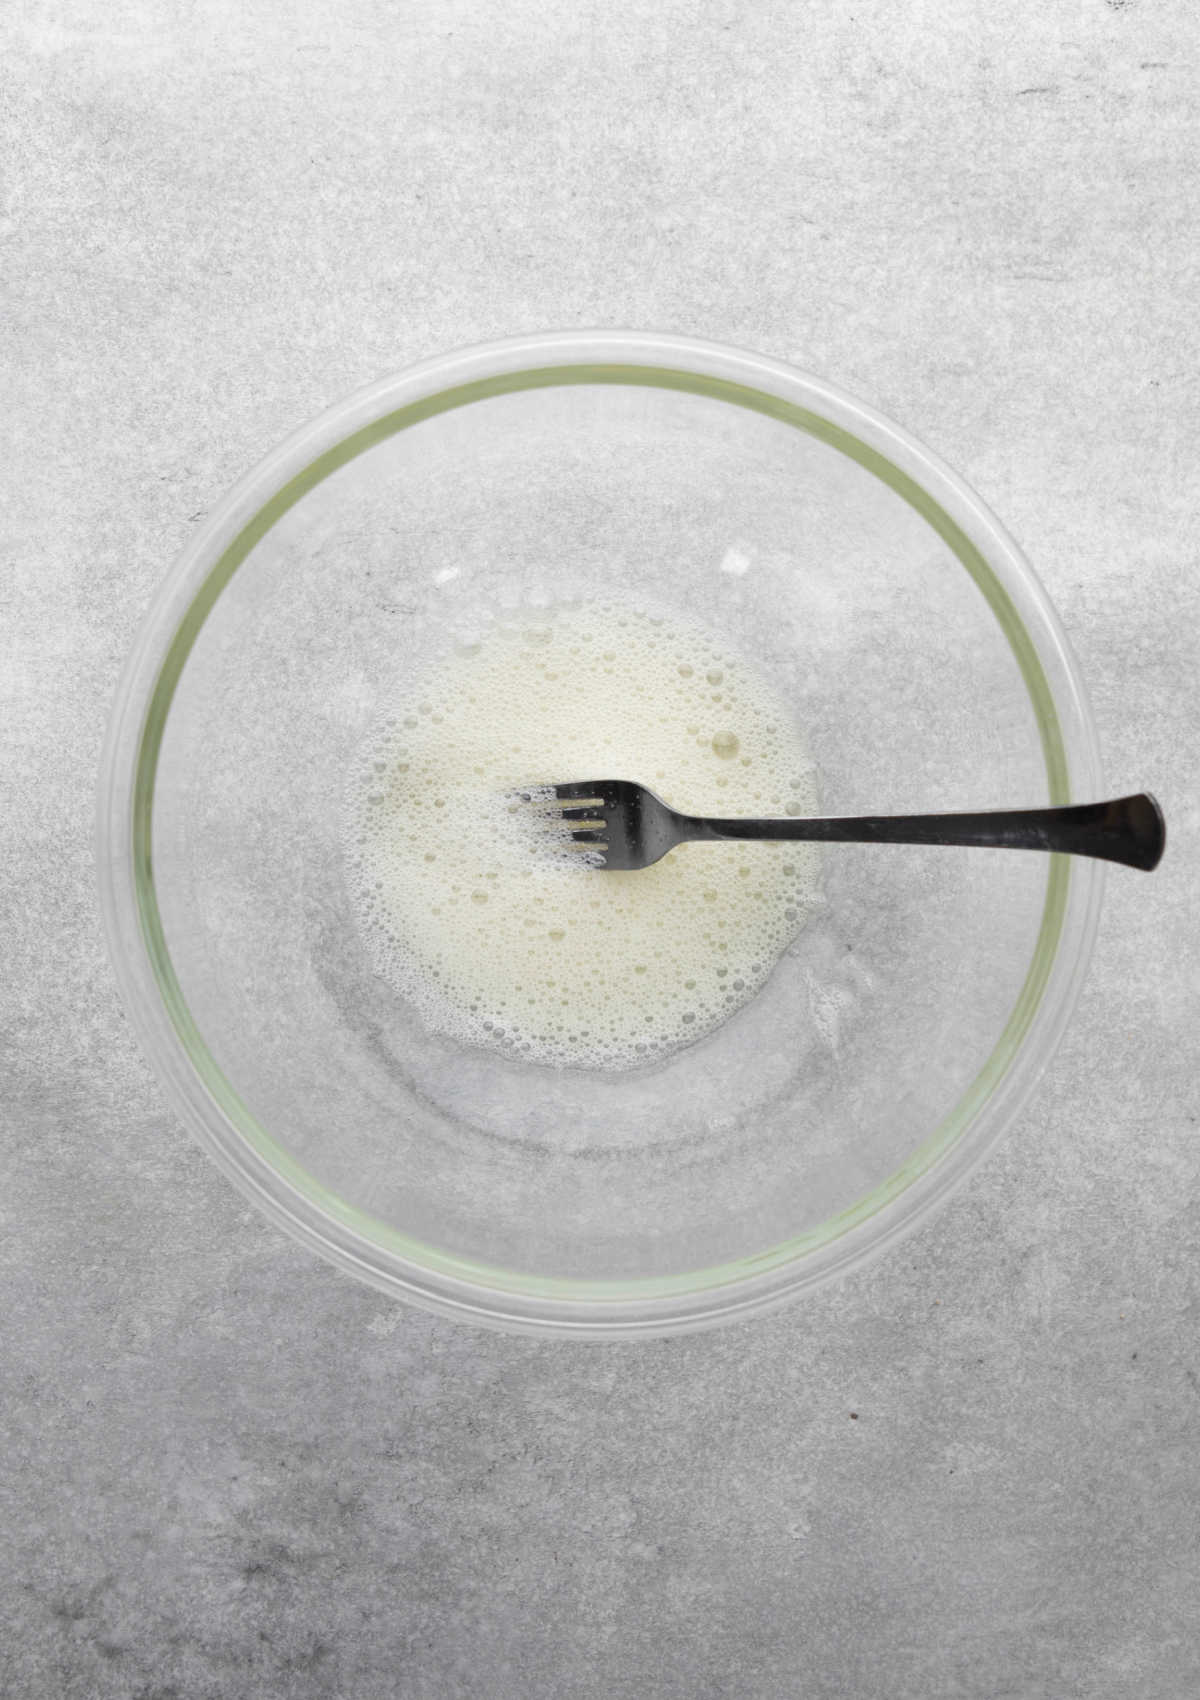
(227, 1471)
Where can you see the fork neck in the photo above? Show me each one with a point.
(697, 828)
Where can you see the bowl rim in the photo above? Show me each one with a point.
(261, 1168)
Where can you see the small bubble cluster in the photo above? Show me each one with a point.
(504, 937)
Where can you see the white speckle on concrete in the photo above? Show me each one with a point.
(386, 1323)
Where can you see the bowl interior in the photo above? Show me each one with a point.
(919, 677)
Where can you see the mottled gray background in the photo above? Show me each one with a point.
(227, 1471)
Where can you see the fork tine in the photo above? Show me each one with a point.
(581, 814)
(591, 838)
(579, 791)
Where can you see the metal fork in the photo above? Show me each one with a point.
(626, 826)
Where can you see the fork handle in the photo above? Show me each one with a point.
(1130, 830)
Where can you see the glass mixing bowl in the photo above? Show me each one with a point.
(898, 1035)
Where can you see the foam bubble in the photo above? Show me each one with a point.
(496, 927)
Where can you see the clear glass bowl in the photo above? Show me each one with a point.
(895, 1040)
